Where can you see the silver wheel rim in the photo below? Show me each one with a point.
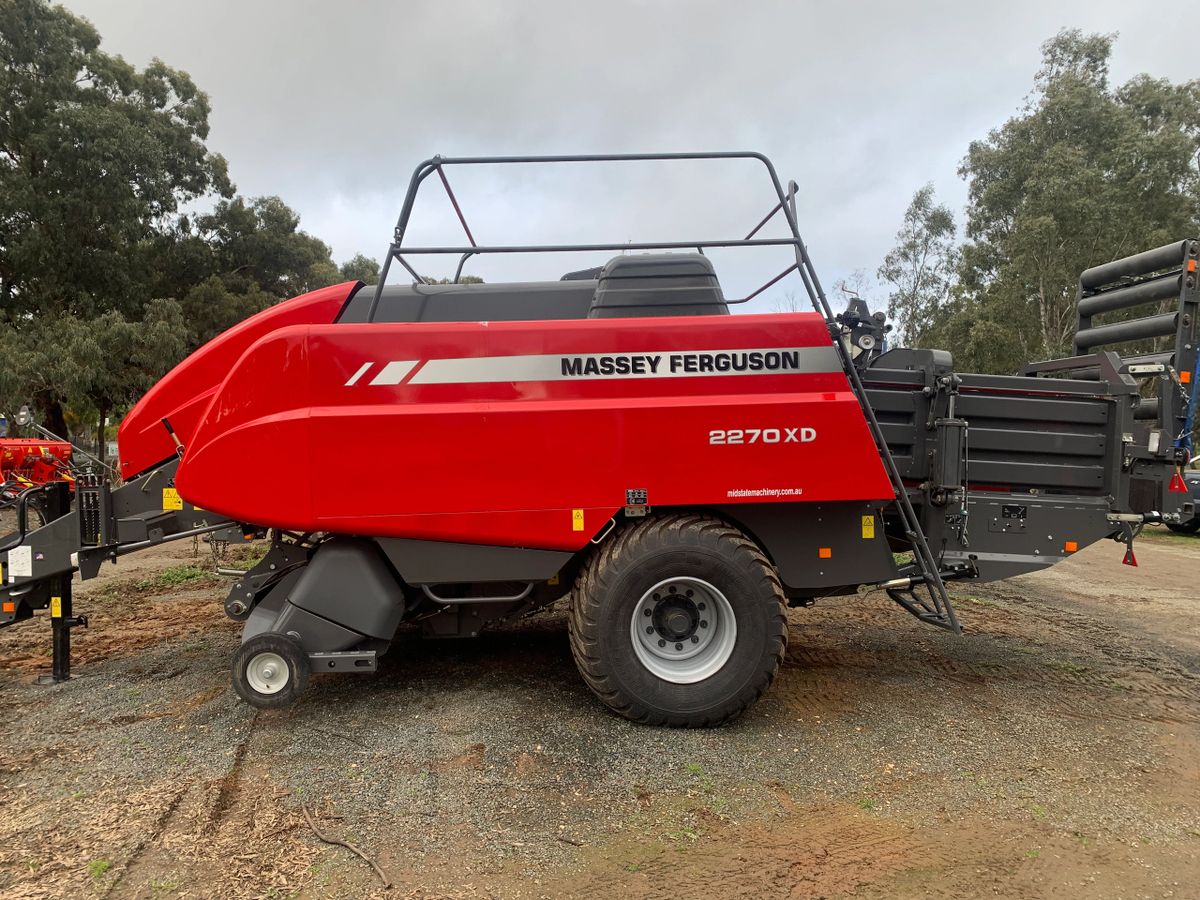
(683, 630)
(268, 673)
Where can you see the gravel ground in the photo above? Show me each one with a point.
(1051, 752)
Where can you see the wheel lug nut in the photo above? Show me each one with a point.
(672, 589)
(679, 646)
(704, 623)
(690, 593)
(647, 612)
(649, 629)
(695, 640)
(700, 606)
(662, 643)
(658, 596)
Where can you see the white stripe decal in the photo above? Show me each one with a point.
(394, 372)
(360, 373)
(649, 364)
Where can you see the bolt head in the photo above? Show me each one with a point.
(679, 646)
(649, 629)
(700, 606)
(704, 623)
(662, 643)
(695, 640)
(646, 612)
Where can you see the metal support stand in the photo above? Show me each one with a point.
(62, 618)
(61, 622)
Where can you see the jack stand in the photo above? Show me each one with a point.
(62, 621)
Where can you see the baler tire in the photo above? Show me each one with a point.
(614, 582)
(1187, 527)
(252, 653)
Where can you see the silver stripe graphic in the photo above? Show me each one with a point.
(394, 372)
(362, 370)
(655, 364)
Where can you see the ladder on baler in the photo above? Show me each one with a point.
(923, 594)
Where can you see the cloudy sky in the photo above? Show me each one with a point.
(331, 104)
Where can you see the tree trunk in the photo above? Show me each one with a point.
(102, 435)
(52, 418)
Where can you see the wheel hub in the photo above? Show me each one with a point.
(267, 673)
(683, 630)
(676, 619)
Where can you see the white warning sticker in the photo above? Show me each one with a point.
(20, 563)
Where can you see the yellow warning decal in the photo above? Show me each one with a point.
(868, 525)
(56, 607)
(171, 499)
(552, 580)
(577, 520)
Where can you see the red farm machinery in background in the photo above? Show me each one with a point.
(27, 463)
(618, 440)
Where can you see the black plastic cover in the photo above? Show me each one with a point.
(658, 284)
(349, 582)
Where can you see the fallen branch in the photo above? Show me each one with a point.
(387, 882)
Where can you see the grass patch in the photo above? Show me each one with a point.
(97, 868)
(1063, 665)
(1161, 534)
(174, 576)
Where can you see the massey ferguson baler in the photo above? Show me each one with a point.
(617, 439)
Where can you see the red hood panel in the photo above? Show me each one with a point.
(528, 433)
(182, 396)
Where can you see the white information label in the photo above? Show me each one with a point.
(20, 563)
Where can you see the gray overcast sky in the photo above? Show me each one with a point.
(330, 105)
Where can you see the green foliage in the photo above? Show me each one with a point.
(1084, 174)
(173, 576)
(98, 868)
(920, 269)
(466, 279)
(360, 268)
(93, 155)
(104, 283)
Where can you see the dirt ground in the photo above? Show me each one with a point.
(1053, 751)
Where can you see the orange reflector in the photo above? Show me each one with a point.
(825, 552)
(10, 606)
(1185, 377)
(1191, 265)
(1070, 546)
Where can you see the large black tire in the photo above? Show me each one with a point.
(613, 588)
(270, 671)
(1187, 527)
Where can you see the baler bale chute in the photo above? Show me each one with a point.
(618, 439)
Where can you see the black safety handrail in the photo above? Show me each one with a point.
(940, 611)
